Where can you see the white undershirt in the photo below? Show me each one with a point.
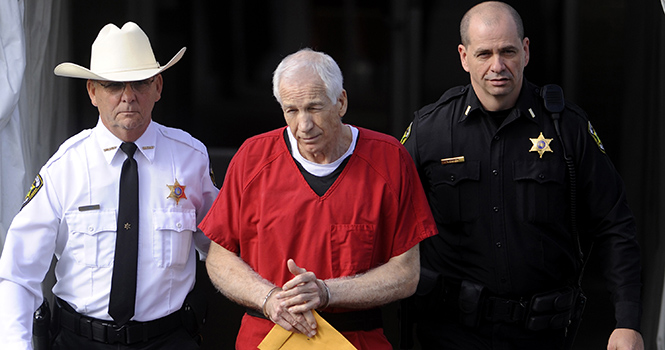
(317, 169)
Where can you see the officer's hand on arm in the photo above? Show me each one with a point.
(625, 339)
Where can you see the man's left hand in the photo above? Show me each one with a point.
(300, 295)
(625, 339)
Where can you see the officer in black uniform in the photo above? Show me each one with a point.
(509, 196)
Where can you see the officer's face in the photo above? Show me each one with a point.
(495, 58)
(313, 119)
(125, 108)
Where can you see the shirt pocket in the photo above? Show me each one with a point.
(540, 191)
(455, 191)
(352, 247)
(92, 237)
(172, 238)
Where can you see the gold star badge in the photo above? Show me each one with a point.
(541, 145)
(128, 226)
(177, 192)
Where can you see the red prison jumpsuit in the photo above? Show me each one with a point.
(266, 211)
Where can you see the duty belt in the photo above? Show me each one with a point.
(110, 333)
(471, 303)
(504, 310)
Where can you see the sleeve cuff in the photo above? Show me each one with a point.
(628, 315)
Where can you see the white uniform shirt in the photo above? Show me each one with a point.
(73, 215)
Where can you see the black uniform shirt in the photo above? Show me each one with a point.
(502, 210)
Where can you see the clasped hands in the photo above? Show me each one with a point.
(291, 307)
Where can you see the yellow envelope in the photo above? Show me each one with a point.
(326, 338)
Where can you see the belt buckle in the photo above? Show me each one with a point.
(115, 334)
(506, 310)
(85, 328)
(98, 331)
(135, 333)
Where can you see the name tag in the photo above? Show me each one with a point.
(452, 160)
(89, 207)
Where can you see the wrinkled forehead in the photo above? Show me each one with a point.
(302, 87)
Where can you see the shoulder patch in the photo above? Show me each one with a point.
(212, 177)
(36, 186)
(406, 135)
(595, 137)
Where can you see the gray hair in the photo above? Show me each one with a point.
(491, 13)
(319, 62)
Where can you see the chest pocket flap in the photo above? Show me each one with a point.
(173, 236)
(456, 191)
(92, 236)
(539, 171)
(453, 174)
(540, 190)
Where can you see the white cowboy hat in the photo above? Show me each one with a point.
(119, 55)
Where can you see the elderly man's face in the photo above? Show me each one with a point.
(125, 108)
(313, 119)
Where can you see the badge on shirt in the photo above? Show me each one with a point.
(541, 145)
(36, 186)
(177, 192)
(595, 137)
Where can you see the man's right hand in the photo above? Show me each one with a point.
(292, 307)
(280, 314)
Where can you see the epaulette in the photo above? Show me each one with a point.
(183, 137)
(577, 110)
(572, 107)
(450, 94)
(69, 143)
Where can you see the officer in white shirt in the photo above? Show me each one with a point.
(72, 206)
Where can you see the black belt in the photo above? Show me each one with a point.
(110, 333)
(492, 308)
(352, 321)
(549, 310)
(505, 310)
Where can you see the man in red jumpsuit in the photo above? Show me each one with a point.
(317, 215)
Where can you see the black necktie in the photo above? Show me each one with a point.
(123, 283)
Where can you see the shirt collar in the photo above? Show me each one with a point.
(525, 106)
(110, 144)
